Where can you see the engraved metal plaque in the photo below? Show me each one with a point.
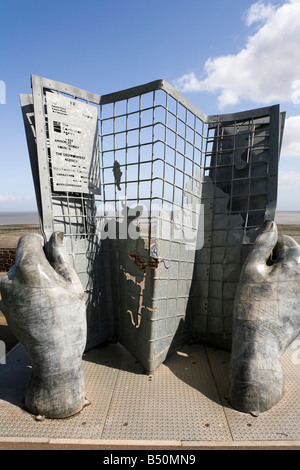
(73, 131)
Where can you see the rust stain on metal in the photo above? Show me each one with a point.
(141, 298)
(141, 263)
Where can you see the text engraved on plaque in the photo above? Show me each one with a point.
(73, 140)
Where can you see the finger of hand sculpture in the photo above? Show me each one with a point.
(43, 302)
(266, 321)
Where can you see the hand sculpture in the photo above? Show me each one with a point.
(266, 321)
(43, 302)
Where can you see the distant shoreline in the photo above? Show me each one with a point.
(288, 224)
(287, 217)
(19, 218)
(32, 218)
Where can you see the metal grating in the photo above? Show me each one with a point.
(88, 424)
(191, 188)
(180, 401)
(183, 401)
(282, 422)
(239, 193)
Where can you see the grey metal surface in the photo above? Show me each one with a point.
(239, 193)
(26, 102)
(158, 150)
(179, 402)
(88, 424)
(44, 305)
(266, 321)
(183, 401)
(282, 422)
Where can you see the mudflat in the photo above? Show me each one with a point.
(10, 234)
(291, 230)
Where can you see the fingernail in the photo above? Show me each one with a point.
(267, 225)
(58, 238)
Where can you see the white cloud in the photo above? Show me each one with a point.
(16, 203)
(259, 12)
(291, 141)
(288, 180)
(288, 190)
(7, 198)
(266, 70)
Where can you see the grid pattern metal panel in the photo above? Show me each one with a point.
(152, 150)
(239, 193)
(158, 155)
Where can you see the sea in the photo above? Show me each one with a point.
(32, 218)
(19, 218)
(287, 217)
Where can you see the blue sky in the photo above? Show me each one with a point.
(224, 56)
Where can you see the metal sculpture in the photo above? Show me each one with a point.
(266, 321)
(43, 302)
(141, 150)
(152, 156)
